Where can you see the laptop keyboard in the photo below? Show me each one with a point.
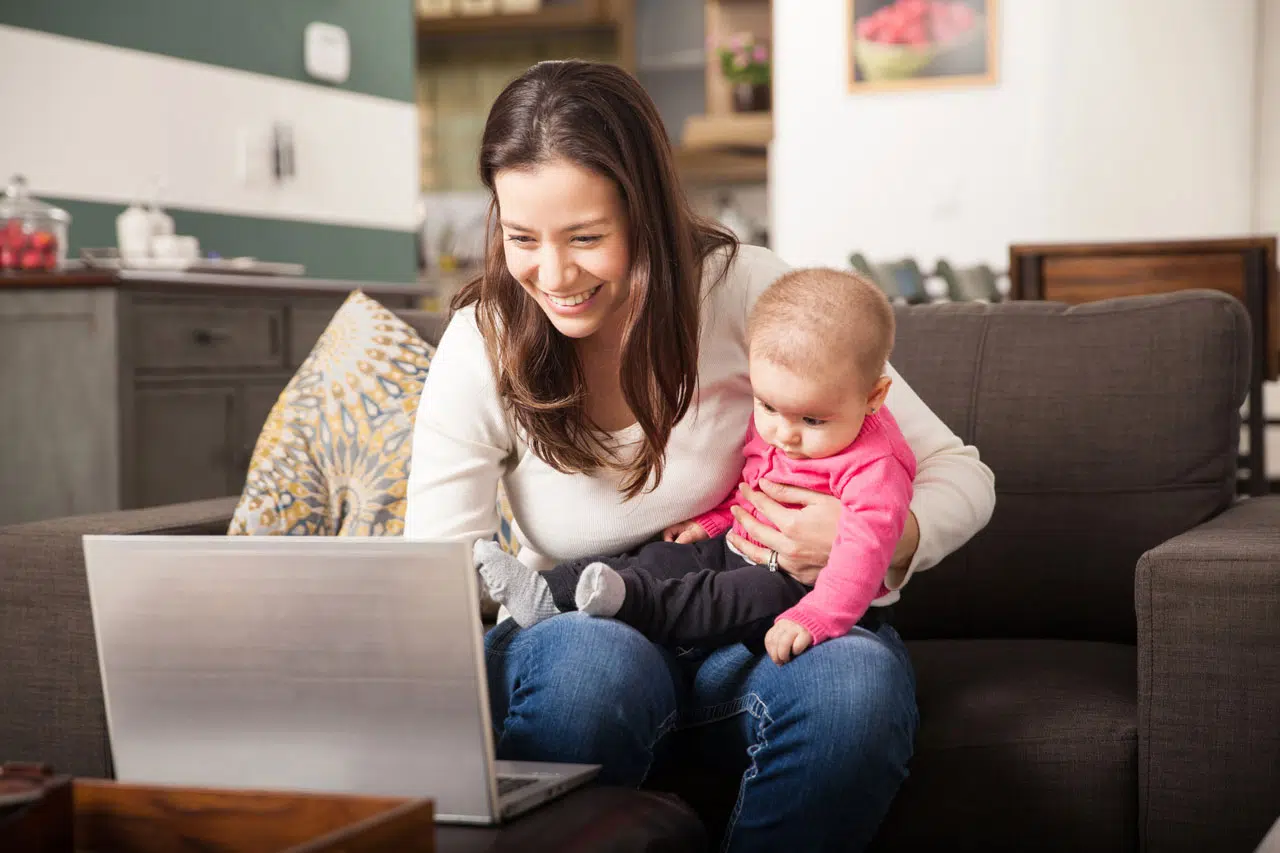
(507, 784)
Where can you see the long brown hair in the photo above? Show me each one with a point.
(596, 116)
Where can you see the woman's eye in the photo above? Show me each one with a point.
(586, 239)
(814, 422)
(519, 239)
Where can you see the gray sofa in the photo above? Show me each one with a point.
(1098, 670)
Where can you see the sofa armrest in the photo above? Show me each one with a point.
(1208, 607)
(51, 702)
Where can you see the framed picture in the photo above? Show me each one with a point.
(921, 44)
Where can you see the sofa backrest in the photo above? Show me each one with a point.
(1110, 427)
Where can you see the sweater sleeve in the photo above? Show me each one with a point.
(461, 440)
(954, 490)
(718, 520)
(876, 499)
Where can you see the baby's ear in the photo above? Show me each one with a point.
(878, 392)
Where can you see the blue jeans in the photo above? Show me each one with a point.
(821, 743)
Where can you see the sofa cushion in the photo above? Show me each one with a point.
(333, 456)
(1023, 745)
(1110, 427)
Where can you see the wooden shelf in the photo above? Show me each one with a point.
(586, 16)
(709, 166)
(749, 131)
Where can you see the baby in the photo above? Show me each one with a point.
(818, 341)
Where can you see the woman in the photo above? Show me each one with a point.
(598, 368)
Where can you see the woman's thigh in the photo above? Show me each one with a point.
(577, 688)
(820, 744)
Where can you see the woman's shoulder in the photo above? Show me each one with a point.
(461, 349)
(734, 285)
(749, 263)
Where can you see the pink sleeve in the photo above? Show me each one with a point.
(876, 500)
(717, 521)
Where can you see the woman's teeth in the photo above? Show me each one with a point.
(577, 299)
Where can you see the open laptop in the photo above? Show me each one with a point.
(304, 663)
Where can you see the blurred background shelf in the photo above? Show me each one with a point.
(752, 131)
(584, 15)
(711, 166)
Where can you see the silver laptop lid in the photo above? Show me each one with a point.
(331, 664)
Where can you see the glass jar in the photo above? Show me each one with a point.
(33, 235)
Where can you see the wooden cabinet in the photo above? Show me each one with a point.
(119, 392)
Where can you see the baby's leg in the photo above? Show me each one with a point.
(520, 589)
(531, 596)
(694, 599)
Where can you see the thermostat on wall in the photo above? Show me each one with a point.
(327, 52)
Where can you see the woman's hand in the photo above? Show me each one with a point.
(805, 531)
(685, 533)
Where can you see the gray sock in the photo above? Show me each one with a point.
(514, 585)
(600, 591)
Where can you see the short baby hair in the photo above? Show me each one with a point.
(814, 318)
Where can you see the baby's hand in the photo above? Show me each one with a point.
(785, 640)
(684, 533)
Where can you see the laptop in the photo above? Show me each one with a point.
(330, 664)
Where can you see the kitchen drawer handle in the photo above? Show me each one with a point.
(208, 337)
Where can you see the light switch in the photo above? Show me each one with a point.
(327, 52)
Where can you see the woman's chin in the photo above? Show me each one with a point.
(575, 327)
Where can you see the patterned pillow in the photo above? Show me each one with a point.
(333, 456)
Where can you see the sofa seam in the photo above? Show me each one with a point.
(972, 425)
(1146, 649)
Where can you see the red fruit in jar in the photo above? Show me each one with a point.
(42, 240)
(32, 260)
(8, 258)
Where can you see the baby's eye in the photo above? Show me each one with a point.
(762, 404)
(814, 422)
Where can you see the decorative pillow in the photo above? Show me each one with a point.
(333, 456)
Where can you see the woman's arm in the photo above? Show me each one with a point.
(460, 442)
(955, 492)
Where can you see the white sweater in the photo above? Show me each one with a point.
(464, 443)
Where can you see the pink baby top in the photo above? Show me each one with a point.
(872, 478)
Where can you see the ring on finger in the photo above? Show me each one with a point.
(773, 561)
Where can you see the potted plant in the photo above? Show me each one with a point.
(744, 62)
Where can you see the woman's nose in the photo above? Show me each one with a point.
(554, 270)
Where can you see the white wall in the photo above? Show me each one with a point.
(1113, 119)
(1268, 183)
(103, 123)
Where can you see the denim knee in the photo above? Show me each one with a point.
(582, 689)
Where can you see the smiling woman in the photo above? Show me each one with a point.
(567, 243)
(594, 226)
(598, 368)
